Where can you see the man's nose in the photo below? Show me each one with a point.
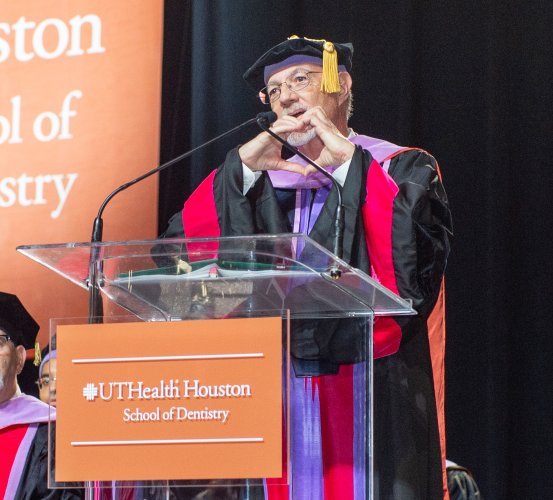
(287, 96)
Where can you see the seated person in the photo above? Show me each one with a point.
(47, 379)
(23, 418)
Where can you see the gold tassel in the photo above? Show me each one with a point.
(330, 83)
(38, 355)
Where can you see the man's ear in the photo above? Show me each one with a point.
(21, 354)
(345, 86)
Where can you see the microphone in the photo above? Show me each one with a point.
(94, 303)
(264, 120)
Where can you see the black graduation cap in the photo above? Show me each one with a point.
(295, 50)
(16, 321)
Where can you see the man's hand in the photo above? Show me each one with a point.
(336, 149)
(264, 152)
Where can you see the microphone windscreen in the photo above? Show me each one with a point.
(267, 117)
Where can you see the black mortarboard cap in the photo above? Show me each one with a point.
(335, 57)
(16, 321)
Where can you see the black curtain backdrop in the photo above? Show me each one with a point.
(471, 82)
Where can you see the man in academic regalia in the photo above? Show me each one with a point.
(23, 418)
(397, 229)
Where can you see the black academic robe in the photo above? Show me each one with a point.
(33, 484)
(408, 459)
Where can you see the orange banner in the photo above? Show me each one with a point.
(79, 115)
(203, 397)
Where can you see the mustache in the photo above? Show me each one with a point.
(294, 108)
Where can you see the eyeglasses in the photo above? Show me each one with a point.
(295, 83)
(44, 381)
(4, 339)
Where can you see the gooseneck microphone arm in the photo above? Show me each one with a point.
(94, 300)
(264, 120)
(97, 228)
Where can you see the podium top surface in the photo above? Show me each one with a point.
(220, 277)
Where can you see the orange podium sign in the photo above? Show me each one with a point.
(178, 400)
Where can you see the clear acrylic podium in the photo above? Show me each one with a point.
(287, 275)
